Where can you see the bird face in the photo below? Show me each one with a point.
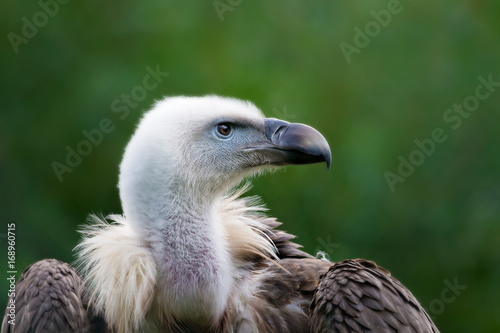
(233, 145)
(233, 140)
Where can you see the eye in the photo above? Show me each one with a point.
(223, 130)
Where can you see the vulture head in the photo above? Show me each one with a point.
(192, 150)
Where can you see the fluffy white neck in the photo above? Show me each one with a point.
(182, 227)
(190, 246)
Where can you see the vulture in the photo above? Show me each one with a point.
(191, 254)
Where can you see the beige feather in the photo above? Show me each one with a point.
(120, 270)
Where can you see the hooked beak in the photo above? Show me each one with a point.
(289, 143)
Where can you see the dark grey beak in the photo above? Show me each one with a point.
(294, 144)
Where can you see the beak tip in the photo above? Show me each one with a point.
(328, 160)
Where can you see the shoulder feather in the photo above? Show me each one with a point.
(48, 298)
(120, 272)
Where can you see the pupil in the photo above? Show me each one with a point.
(224, 129)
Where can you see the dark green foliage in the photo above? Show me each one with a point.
(439, 226)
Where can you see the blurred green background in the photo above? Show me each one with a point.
(439, 226)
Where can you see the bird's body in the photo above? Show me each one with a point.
(191, 255)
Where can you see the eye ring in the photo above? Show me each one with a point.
(224, 130)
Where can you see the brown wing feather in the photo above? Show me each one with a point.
(359, 296)
(281, 303)
(48, 298)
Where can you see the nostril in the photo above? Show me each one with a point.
(275, 129)
(278, 133)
